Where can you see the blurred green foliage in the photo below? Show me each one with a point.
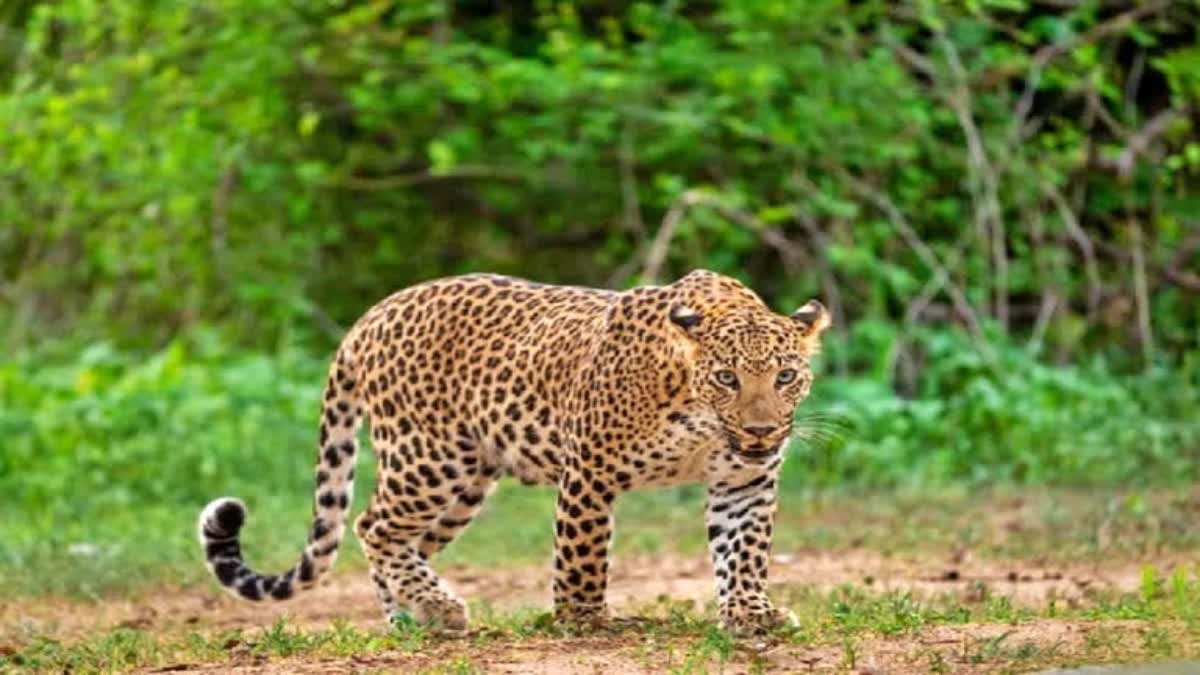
(272, 167)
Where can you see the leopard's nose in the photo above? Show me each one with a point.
(758, 431)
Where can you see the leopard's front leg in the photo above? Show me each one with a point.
(582, 531)
(740, 517)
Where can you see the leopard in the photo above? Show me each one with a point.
(466, 379)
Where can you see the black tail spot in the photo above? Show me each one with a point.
(282, 591)
(249, 589)
(307, 572)
(227, 571)
(319, 529)
(230, 516)
(222, 548)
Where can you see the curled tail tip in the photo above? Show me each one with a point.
(222, 518)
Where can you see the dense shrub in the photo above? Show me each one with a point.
(265, 166)
(1013, 421)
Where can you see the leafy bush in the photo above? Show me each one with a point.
(112, 455)
(123, 430)
(1017, 421)
(271, 167)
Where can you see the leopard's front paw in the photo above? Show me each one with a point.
(758, 621)
(581, 616)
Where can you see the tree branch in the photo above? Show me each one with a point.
(1140, 293)
(657, 253)
(1081, 239)
(1139, 143)
(961, 304)
(219, 225)
(988, 216)
(833, 292)
(1049, 290)
(791, 254)
(631, 211)
(1174, 272)
(1048, 53)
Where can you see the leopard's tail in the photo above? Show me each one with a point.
(222, 519)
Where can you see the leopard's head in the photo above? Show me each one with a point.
(752, 367)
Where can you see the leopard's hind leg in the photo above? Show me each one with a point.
(378, 565)
(451, 522)
(418, 506)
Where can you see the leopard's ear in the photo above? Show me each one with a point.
(685, 317)
(812, 318)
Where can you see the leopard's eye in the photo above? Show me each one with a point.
(727, 378)
(786, 376)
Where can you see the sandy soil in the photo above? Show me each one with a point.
(636, 583)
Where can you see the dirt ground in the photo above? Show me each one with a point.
(635, 584)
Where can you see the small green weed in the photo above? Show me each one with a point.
(989, 648)
(712, 645)
(1158, 642)
(279, 640)
(849, 653)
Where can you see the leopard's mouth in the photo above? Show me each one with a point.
(757, 452)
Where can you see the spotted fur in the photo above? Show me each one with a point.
(597, 392)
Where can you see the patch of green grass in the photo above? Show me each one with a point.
(122, 550)
(996, 522)
(855, 608)
(712, 648)
(125, 648)
(120, 649)
(1000, 649)
(852, 610)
